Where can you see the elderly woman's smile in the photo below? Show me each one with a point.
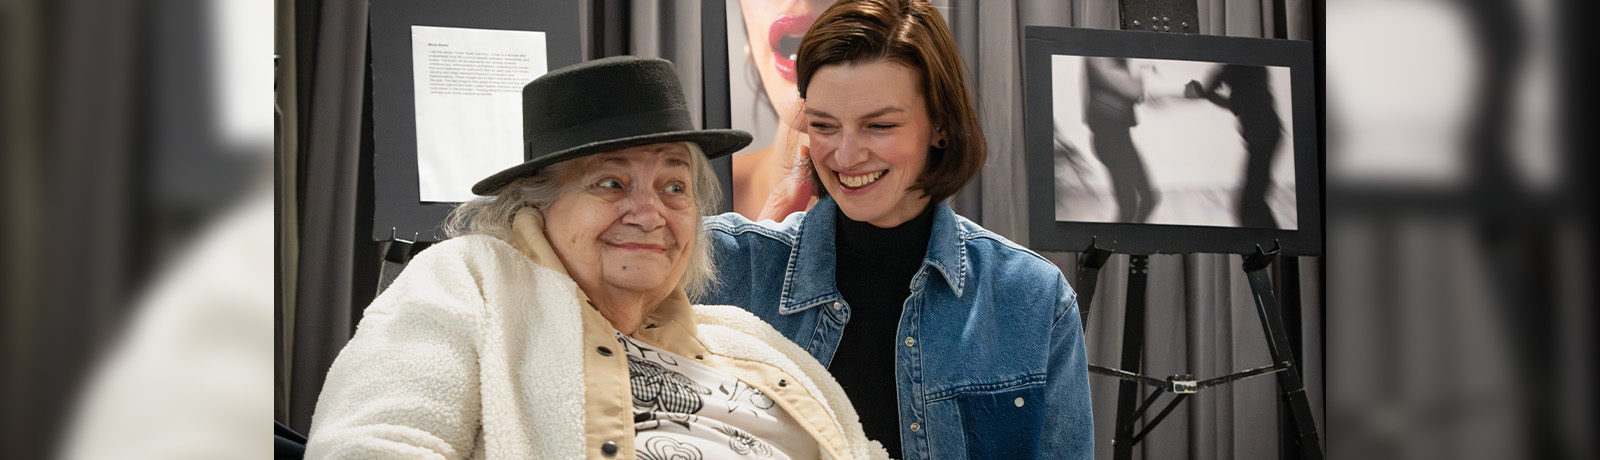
(624, 226)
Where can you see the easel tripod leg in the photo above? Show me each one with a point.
(1289, 382)
(1132, 356)
(1089, 263)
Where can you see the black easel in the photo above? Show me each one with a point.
(395, 253)
(1129, 410)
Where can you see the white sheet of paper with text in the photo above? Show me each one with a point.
(468, 85)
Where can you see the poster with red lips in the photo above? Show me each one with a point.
(763, 38)
(783, 38)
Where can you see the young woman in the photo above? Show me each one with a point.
(951, 341)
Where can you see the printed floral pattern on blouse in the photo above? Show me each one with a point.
(686, 410)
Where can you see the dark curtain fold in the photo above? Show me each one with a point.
(286, 180)
(73, 262)
(671, 30)
(20, 179)
(331, 93)
(110, 163)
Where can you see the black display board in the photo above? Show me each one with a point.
(397, 208)
(1174, 16)
(1189, 155)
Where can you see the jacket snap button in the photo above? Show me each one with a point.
(915, 427)
(603, 351)
(838, 306)
(910, 342)
(609, 449)
(1018, 402)
(783, 383)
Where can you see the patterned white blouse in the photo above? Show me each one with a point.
(686, 410)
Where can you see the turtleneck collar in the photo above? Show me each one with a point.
(909, 240)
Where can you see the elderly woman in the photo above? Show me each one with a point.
(556, 323)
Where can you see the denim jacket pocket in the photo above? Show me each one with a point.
(1002, 424)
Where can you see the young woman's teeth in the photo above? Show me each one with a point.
(861, 180)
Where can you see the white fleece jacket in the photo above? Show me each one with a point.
(475, 351)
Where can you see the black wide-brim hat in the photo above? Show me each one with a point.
(601, 106)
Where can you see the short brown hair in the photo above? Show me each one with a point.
(913, 34)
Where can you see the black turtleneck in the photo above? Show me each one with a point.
(874, 271)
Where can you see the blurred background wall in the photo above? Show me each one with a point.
(128, 129)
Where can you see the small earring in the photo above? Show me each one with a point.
(941, 144)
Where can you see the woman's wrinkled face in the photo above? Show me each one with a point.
(774, 28)
(625, 221)
(870, 134)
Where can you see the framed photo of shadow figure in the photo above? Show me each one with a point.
(1152, 143)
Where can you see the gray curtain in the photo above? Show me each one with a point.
(330, 55)
(1201, 319)
(70, 146)
(670, 30)
(285, 172)
(100, 126)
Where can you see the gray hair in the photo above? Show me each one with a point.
(492, 215)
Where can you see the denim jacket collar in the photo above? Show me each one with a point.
(810, 278)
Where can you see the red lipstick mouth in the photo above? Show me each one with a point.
(784, 39)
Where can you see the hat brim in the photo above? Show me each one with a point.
(716, 143)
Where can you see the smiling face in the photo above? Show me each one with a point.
(624, 225)
(870, 135)
(774, 28)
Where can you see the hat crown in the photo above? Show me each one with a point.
(605, 105)
(625, 95)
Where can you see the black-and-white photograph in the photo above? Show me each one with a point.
(1164, 143)
(1174, 142)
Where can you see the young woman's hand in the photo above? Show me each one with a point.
(793, 193)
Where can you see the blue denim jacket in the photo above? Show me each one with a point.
(994, 366)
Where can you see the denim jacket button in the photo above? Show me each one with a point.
(1018, 402)
(915, 427)
(910, 342)
(838, 306)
